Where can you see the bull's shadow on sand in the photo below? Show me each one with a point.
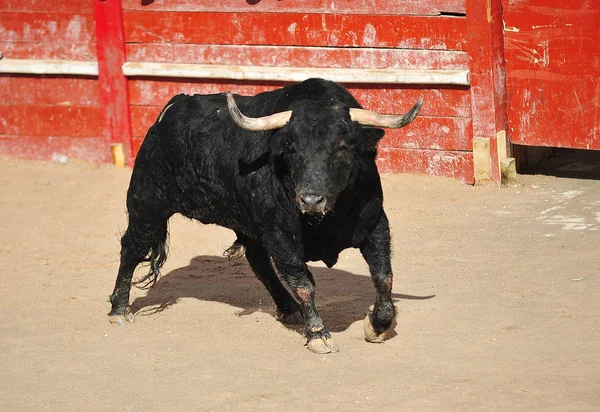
(342, 297)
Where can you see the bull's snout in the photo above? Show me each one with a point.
(312, 203)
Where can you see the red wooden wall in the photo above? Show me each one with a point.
(311, 33)
(553, 72)
(81, 115)
(44, 114)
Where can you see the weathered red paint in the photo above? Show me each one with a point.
(62, 6)
(52, 50)
(553, 66)
(387, 7)
(488, 93)
(290, 29)
(112, 81)
(42, 147)
(51, 120)
(295, 56)
(59, 91)
(47, 27)
(40, 115)
(457, 164)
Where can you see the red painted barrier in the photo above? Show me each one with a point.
(114, 93)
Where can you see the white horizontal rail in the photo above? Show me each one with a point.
(30, 66)
(295, 74)
(233, 72)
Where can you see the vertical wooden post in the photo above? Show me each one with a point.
(114, 95)
(488, 78)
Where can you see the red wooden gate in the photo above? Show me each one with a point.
(553, 72)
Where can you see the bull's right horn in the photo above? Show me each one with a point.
(274, 121)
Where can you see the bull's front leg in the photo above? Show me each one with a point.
(294, 272)
(376, 251)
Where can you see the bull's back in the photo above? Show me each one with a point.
(192, 153)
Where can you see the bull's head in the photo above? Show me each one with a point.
(323, 143)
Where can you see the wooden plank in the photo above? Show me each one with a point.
(39, 120)
(41, 147)
(62, 6)
(55, 50)
(435, 133)
(112, 83)
(42, 27)
(387, 7)
(438, 100)
(53, 90)
(296, 74)
(456, 164)
(48, 67)
(443, 32)
(287, 56)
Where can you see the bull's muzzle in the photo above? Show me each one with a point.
(312, 203)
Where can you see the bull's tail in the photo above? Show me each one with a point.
(156, 258)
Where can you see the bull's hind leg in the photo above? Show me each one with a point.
(143, 241)
(288, 310)
(376, 252)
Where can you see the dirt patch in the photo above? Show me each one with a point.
(496, 289)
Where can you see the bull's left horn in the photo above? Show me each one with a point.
(388, 121)
(274, 121)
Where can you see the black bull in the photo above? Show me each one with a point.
(297, 183)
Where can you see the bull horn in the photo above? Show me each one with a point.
(389, 121)
(274, 121)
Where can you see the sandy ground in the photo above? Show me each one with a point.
(497, 291)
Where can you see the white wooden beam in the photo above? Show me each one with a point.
(30, 66)
(234, 72)
(295, 74)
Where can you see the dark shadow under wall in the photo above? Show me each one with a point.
(559, 162)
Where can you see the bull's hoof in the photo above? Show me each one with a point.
(121, 318)
(323, 345)
(235, 251)
(294, 318)
(321, 342)
(371, 335)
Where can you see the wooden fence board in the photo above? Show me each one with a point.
(47, 27)
(409, 32)
(52, 90)
(55, 50)
(62, 6)
(458, 165)
(288, 56)
(90, 149)
(387, 7)
(50, 120)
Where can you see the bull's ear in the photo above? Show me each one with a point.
(279, 143)
(254, 157)
(252, 166)
(369, 137)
